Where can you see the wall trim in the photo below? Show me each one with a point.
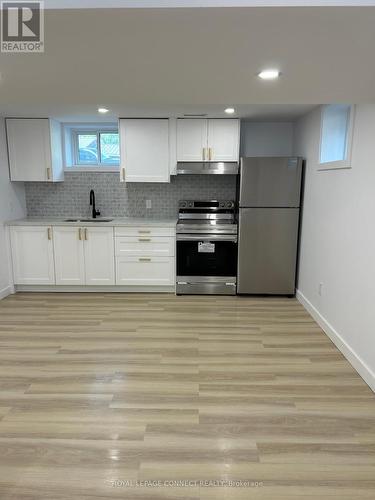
(6, 291)
(357, 363)
(97, 289)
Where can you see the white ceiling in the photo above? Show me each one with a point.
(84, 4)
(169, 61)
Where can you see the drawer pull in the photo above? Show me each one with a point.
(49, 233)
(144, 259)
(80, 234)
(144, 232)
(144, 239)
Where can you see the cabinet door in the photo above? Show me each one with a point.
(223, 139)
(29, 149)
(192, 140)
(69, 255)
(32, 254)
(145, 271)
(144, 150)
(99, 256)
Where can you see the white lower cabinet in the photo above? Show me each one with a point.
(145, 271)
(93, 256)
(69, 256)
(145, 256)
(84, 256)
(99, 256)
(32, 255)
(156, 246)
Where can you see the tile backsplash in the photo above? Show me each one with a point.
(71, 197)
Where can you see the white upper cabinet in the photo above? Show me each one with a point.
(145, 150)
(34, 149)
(99, 255)
(208, 139)
(32, 255)
(192, 140)
(223, 140)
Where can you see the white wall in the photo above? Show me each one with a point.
(266, 138)
(12, 206)
(338, 241)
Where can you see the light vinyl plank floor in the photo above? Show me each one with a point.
(193, 398)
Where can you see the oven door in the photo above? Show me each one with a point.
(206, 255)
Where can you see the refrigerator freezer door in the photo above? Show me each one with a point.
(270, 182)
(267, 250)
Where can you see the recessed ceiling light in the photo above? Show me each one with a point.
(103, 110)
(269, 74)
(229, 111)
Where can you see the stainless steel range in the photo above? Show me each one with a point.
(206, 247)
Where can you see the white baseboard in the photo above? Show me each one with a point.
(357, 363)
(95, 289)
(6, 291)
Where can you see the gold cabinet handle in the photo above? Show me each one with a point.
(123, 174)
(86, 234)
(210, 154)
(144, 259)
(49, 233)
(48, 173)
(204, 153)
(143, 232)
(80, 234)
(144, 239)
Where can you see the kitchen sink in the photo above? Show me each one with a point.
(95, 220)
(88, 220)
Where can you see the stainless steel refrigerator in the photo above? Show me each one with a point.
(269, 195)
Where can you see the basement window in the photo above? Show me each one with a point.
(92, 148)
(336, 134)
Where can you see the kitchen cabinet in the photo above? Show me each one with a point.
(223, 139)
(208, 140)
(69, 255)
(94, 255)
(34, 149)
(145, 271)
(145, 256)
(99, 255)
(84, 256)
(191, 139)
(32, 255)
(145, 150)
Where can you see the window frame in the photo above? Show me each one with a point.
(70, 137)
(338, 164)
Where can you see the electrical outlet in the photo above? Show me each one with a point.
(148, 204)
(320, 289)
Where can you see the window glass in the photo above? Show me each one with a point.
(109, 148)
(335, 133)
(87, 145)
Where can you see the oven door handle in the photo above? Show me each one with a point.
(207, 237)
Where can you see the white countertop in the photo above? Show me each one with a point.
(116, 221)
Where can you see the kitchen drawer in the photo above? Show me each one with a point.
(145, 271)
(145, 231)
(144, 245)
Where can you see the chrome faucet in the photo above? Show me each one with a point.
(92, 203)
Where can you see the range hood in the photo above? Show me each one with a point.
(208, 168)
